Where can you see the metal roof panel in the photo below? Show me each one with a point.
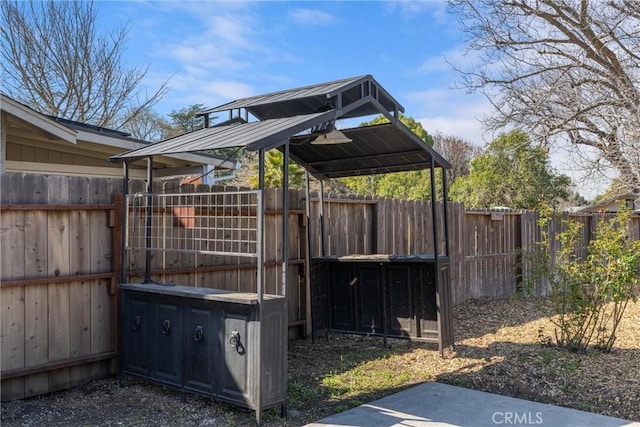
(254, 135)
(314, 98)
(384, 148)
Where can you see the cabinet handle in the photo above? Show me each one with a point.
(236, 343)
(198, 333)
(235, 339)
(165, 327)
(135, 324)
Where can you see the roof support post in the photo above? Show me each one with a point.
(260, 215)
(434, 212)
(285, 254)
(436, 257)
(147, 259)
(285, 217)
(445, 198)
(323, 249)
(125, 220)
(260, 281)
(261, 169)
(307, 258)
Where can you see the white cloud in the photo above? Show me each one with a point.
(214, 92)
(233, 29)
(414, 8)
(227, 89)
(450, 112)
(458, 57)
(311, 17)
(205, 56)
(216, 35)
(467, 128)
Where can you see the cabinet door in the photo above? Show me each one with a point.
(319, 301)
(341, 297)
(202, 346)
(236, 347)
(400, 305)
(136, 322)
(369, 298)
(167, 335)
(428, 312)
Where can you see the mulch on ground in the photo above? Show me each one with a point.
(501, 347)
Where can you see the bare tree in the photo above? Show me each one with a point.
(563, 70)
(458, 152)
(147, 125)
(55, 62)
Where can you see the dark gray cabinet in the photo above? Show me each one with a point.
(387, 295)
(211, 342)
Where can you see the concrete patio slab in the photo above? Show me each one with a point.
(434, 404)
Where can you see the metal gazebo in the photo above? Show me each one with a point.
(242, 337)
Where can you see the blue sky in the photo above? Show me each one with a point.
(218, 51)
(221, 51)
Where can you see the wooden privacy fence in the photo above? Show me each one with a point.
(57, 282)
(61, 260)
(489, 250)
(532, 235)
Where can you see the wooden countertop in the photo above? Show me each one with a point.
(382, 258)
(208, 294)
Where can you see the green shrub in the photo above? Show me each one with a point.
(589, 294)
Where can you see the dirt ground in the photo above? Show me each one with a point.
(500, 348)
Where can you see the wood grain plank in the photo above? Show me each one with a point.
(101, 322)
(12, 317)
(81, 233)
(36, 302)
(58, 245)
(12, 340)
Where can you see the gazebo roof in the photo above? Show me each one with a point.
(313, 98)
(295, 114)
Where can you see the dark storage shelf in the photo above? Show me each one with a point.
(388, 295)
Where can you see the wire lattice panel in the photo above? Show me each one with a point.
(206, 223)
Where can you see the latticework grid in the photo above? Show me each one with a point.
(206, 223)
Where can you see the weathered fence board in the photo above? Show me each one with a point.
(47, 237)
(36, 334)
(80, 232)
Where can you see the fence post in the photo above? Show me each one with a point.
(116, 222)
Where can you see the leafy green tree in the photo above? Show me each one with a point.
(512, 172)
(184, 121)
(413, 185)
(273, 172)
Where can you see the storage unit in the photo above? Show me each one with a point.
(385, 295)
(206, 341)
(227, 345)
